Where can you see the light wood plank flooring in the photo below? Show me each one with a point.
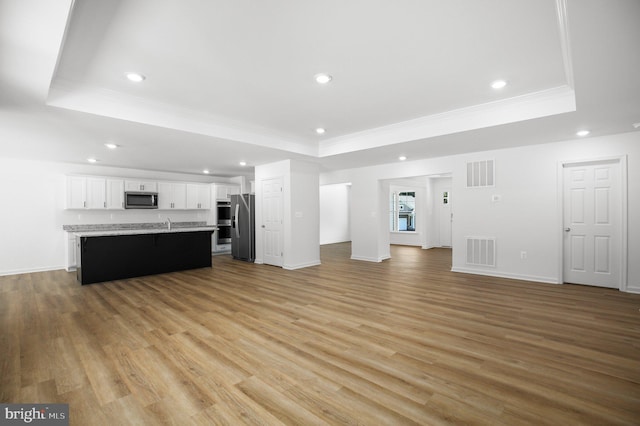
(404, 341)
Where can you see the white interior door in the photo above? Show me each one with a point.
(445, 217)
(272, 218)
(592, 224)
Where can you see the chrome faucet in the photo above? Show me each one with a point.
(169, 224)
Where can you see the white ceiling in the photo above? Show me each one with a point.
(231, 81)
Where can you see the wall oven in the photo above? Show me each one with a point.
(224, 234)
(224, 222)
(224, 213)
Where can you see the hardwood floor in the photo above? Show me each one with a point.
(347, 342)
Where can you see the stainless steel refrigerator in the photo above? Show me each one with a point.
(243, 241)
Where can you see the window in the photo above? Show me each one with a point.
(402, 211)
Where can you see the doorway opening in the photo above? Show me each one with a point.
(420, 210)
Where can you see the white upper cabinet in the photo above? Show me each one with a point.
(198, 196)
(172, 195)
(115, 194)
(76, 192)
(140, 186)
(223, 191)
(95, 193)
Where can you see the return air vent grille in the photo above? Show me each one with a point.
(481, 251)
(480, 174)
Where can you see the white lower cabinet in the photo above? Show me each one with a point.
(70, 245)
(222, 248)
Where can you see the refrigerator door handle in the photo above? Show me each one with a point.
(237, 227)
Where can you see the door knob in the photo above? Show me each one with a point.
(263, 226)
(567, 229)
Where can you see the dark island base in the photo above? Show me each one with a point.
(114, 257)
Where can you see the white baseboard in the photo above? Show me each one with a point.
(523, 277)
(31, 270)
(301, 265)
(371, 259)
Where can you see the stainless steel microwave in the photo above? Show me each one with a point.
(140, 200)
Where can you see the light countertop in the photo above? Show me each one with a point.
(105, 233)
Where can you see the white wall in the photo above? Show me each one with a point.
(305, 216)
(369, 202)
(439, 185)
(301, 203)
(430, 239)
(32, 196)
(524, 220)
(365, 220)
(31, 236)
(527, 218)
(335, 213)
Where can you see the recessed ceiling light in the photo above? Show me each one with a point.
(323, 78)
(243, 163)
(111, 145)
(402, 158)
(92, 160)
(320, 131)
(498, 84)
(135, 77)
(583, 133)
(205, 171)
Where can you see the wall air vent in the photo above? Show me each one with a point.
(481, 251)
(480, 174)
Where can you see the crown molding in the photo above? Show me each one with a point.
(109, 103)
(544, 103)
(565, 45)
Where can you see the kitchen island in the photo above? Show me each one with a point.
(113, 255)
